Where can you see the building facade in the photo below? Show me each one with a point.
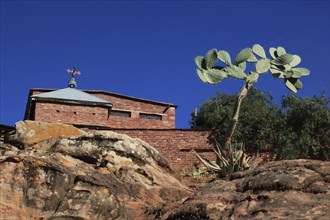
(151, 121)
(98, 108)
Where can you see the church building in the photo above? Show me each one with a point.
(97, 108)
(151, 121)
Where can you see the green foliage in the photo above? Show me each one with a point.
(259, 50)
(304, 129)
(235, 72)
(214, 76)
(253, 77)
(243, 56)
(199, 172)
(299, 129)
(201, 76)
(224, 57)
(262, 66)
(257, 122)
(281, 65)
(229, 162)
(200, 62)
(210, 58)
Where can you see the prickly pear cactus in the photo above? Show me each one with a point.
(281, 65)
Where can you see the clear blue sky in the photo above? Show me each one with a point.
(146, 49)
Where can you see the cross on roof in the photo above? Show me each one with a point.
(73, 71)
(72, 82)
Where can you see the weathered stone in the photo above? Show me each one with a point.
(105, 175)
(101, 175)
(297, 189)
(33, 132)
(107, 147)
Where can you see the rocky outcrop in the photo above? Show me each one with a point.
(298, 189)
(33, 133)
(55, 171)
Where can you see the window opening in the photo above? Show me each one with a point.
(120, 113)
(150, 116)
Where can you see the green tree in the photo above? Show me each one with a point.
(304, 131)
(257, 127)
(280, 65)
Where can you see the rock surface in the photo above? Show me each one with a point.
(54, 171)
(34, 132)
(297, 189)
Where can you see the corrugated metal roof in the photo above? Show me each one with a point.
(71, 94)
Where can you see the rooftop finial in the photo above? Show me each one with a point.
(72, 82)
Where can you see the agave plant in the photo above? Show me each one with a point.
(229, 162)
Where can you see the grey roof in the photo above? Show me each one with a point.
(71, 94)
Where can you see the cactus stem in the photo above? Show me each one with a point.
(235, 117)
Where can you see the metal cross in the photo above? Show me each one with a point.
(73, 71)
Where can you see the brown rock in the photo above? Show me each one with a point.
(105, 175)
(101, 175)
(33, 132)
(297, 189)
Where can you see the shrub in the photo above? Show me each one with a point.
(304, 128)
(257, 127)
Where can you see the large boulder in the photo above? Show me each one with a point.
(72, 174)
(297, 189)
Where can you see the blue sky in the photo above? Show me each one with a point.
(146, 49)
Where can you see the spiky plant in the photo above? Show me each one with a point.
(281, 65)
(233, 160)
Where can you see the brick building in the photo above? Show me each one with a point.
(152, 121)
(98, 108)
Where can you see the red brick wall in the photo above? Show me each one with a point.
(176, 144)
(70, 114)
(88, 115)
(264, 155)
(137, 107)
